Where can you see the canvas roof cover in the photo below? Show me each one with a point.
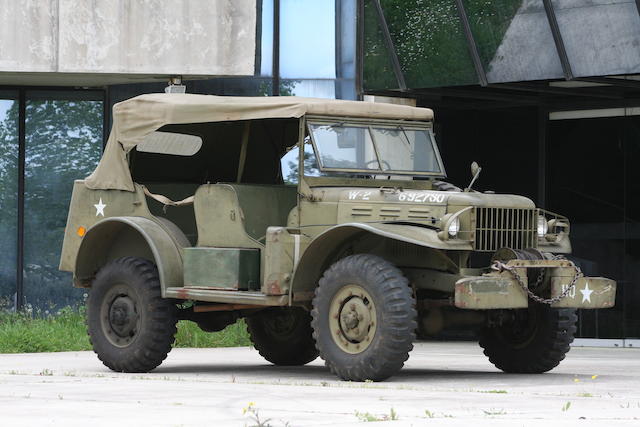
(135, 118)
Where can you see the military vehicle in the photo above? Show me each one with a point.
(188, 217)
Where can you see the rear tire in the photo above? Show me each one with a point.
(282, 335)
(364, 318)
(130, 326)
(536, 341)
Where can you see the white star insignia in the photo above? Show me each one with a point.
(100, 208)
(586, 293)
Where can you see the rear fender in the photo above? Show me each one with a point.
(117, 237)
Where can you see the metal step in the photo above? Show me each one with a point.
(226, 296)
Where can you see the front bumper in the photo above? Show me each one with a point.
(501, 289)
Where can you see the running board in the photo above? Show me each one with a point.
(226, 296)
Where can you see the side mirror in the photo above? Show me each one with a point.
(475, 168)
(475, 172)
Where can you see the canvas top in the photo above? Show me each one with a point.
(137, 117)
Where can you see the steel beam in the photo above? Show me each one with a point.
(360, 51)
(471, 44)
(275, 66)
(22, 114)
(550, 90)
(395, 62)
(557, 38)
(631, 84)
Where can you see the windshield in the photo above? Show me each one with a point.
(375, 149)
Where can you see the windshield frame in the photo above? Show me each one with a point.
(370, 125)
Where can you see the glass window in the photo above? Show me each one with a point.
(406, 150)
(375, 149)
(171, 143)
(63, 143)
(514, 40)
(344, 147)
(266, 38)
(8, 199)
(307, 39)
(289, 163)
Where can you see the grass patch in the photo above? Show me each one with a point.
(190, 335)
(66, 331)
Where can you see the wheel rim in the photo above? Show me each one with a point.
(352, 319)
(119, 315)
(281, 326)
(522, 330)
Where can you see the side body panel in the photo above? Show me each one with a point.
(108, 224)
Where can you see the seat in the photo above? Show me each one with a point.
(237, 215)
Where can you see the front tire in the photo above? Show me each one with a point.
(131, 327)
(282, 335)
(364, 318)
(536, 340)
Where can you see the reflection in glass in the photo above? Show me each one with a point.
(309, 88)
(346, 25)
(63, 143)
(266, 38)
(289, 163)
(429, 42)
(307, 39)
(378, 70)
(8, 200)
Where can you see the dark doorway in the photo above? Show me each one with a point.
(592, 177)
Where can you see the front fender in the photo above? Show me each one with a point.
(322, 249)
(117, 237)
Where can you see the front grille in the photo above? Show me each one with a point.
(505, 227)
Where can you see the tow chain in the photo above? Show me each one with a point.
(501, 266)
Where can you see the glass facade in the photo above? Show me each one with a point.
(63, 142)
(8, 196)
(61, 139)
(429, 42)
(513, 40)
(601, 38)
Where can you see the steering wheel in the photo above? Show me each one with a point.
(383, 163)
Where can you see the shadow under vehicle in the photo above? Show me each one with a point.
(187, 216)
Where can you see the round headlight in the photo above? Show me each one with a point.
(454, 227)
(543, 226)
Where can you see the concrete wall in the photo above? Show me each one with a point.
(127, 40)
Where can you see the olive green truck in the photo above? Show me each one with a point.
(349, 253)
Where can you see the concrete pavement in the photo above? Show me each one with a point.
(450, 384)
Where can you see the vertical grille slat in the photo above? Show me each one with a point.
(505, 227)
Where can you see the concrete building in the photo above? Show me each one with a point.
(544, 94)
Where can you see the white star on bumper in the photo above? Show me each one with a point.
(586, 293)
